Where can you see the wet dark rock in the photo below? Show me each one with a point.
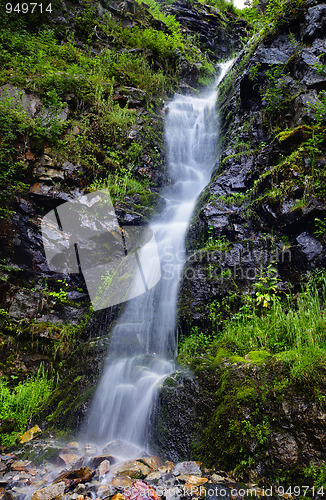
(130, 97)
(74, 477)
(44, 193)
(292, 221)
(315, 26)
(127, 216)
(273, 55)
(7, 425)
(174, 417)
(188, 73)
(309, 245)
(302, 106)
(24, 305)
(67, 407)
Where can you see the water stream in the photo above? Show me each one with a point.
(143, 342)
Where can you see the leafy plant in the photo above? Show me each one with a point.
(318, 473)
(221, 244)
(266, 287)
(275, 92)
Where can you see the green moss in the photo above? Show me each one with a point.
(297, 133)
(220, 355)
(238, 359)
(258, 357)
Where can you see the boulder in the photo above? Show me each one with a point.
(103, 468)
(315, 26)
(68, 458)
(105, 490)
(133, 469)
(194, 481)
(54, 491)
(153, 462)
(121, 482)
(120, 448)
(309, 245)
(94, 462)
(154, 477)
(189, 468)
(285, 448)
(74, 477)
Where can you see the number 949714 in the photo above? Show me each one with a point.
(28, 8)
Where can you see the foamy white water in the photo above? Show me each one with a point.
(143, 343)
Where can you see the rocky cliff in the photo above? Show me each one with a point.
(258, 233)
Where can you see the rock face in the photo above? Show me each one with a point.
(239, 410)
(229, 237)
(46, 315)
(218, 32)
(260, 210)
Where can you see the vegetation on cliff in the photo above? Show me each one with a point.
(81, 94)
(254, 333)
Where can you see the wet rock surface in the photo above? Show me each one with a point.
(229, 238)
(22, 479)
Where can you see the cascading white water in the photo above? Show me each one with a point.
(143, 342)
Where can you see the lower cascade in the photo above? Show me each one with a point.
(143, 342)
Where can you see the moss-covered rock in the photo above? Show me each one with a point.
(244, 416)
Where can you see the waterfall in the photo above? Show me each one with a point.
(143, 342)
